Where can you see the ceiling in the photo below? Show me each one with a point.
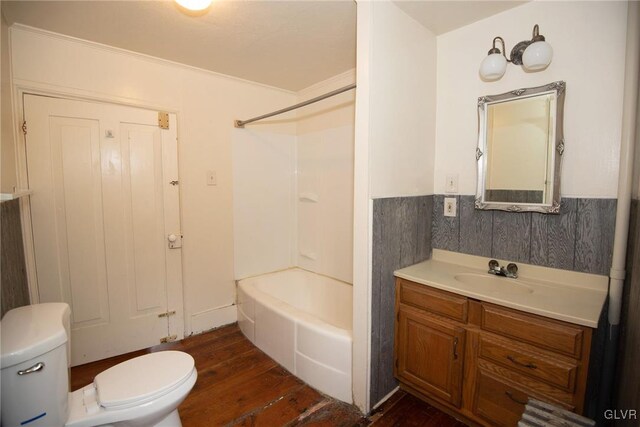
(441, 16)
(286, 44)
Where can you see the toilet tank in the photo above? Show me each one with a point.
(34, 365)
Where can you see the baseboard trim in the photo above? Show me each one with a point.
(214, 318)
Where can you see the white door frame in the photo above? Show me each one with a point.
(21, 88)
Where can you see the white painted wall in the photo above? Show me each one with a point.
(325, 172)
(206, 104)
(402, 114)
(7, 154)
(263, 201)
(362, 210)
(394, 143)
(588, 39)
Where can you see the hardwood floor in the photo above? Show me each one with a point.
(239, 385)
(402, 409)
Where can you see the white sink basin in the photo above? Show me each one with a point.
(564, 295)
(494, 284)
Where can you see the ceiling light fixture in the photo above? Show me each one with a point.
(194, 5)
(534, 55)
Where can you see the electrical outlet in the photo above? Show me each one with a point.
(451, 185)
(450, 206)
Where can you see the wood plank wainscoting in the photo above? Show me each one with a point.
(239, 385)
(13, 269)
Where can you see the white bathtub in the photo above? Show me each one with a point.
(303, 321)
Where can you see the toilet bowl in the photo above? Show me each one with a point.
(143, 391)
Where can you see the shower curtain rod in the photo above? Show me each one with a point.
(241, 123)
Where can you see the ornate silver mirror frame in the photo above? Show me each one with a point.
(552, 204)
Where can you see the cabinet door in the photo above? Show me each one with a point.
(429, 355)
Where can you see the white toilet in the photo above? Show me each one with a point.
(144, 391)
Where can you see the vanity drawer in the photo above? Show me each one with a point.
(545, 333)
(558, 373)
(501, 402)
(436, 301)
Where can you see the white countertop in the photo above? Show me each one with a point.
(564, 295)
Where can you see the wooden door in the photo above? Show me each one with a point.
(430, 354)
(102, 207)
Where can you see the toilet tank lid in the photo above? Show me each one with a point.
(32, 331)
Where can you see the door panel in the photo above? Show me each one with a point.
(142, 162)
(430, 355)
(101, 207)
(77, 176)
(72, 258)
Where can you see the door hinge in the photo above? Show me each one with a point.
(24, 127)
(398, 316)
(167, 314)
(396, 363)
(170, 338)
(163, 120)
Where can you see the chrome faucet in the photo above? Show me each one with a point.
(510, 271)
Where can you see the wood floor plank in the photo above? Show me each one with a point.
(284, 411)
(387, 405)
(239, 385)
(222, 348)
(410, 411)
(396, 414)
(217, 355)
(222, 407)
(227, 377)
(333, 414)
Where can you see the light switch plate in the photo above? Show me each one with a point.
(450, 206)
(211, 178)
(451, 185)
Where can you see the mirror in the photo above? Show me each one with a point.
(520, 146)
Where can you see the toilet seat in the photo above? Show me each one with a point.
(141, 391)
(142, 379)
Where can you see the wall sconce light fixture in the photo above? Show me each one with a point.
(534, 55)
(194, 5)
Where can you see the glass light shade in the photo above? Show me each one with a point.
(194, 5)
(493, 67)
(537, 56)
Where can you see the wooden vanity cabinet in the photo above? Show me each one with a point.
(481, 362)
